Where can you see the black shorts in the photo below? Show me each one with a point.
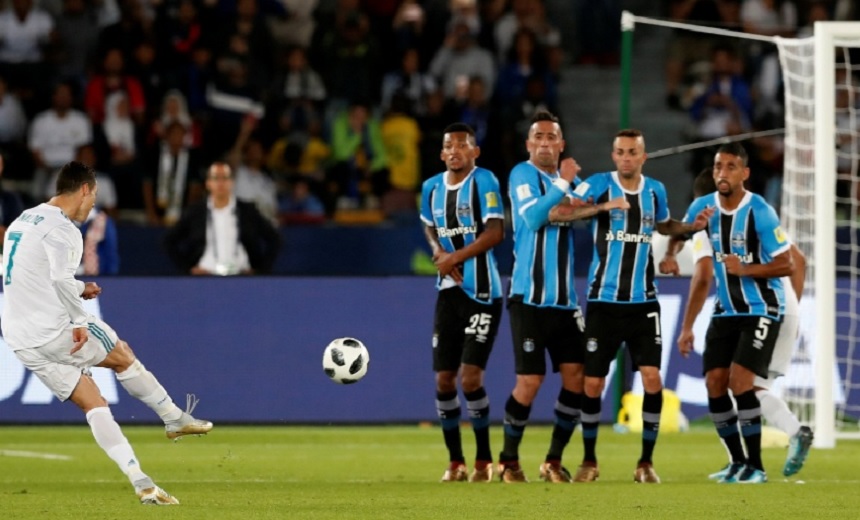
(745, 340)
(538, 329)
(463, 330)
(608, 325)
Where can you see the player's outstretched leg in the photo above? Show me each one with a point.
(110, 438)
(778, 414)
(142, 384)
(798, 449)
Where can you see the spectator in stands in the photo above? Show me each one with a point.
(474, 109)
(113, 78)
(529, 14)
(725, 107)
(180, 30)
(408, 27)
(55, 136)
(231, 98)
(299, 93)
(349, 60)
(359, 174)
(296, 27)
(409, 82)
(251, 182)
(461, 58)
(101, 244)
(172, 179)
(401, 137)
(133, 27)
(13, 131)
(687, 48)
(526, 58)
(299, 205)
(25, 33)
(122, 162)
(77, 40)
(106, 198)
(432, 125)
(11, 205)
(222, 235)
(299, 154)
(174, 108)
(145, 65)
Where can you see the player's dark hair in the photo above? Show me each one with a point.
(461, 128)
(734, 149)
(73, 175)
(629, 132)
(544, 115)
(704, 182)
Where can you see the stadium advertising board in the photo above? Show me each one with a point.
(251, 350)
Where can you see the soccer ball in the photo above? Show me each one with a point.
(345, 360)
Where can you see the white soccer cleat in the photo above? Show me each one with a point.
(155, 496)
(186, 424)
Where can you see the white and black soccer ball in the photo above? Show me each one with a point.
(345, 360)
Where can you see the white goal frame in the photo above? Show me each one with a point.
(826, 38)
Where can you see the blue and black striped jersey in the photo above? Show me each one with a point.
(622, 266)
(752, 232)
(458, 213)
(543, 251)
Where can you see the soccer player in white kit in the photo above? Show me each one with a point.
(45, 324)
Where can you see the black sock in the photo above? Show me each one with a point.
(726, 422)
(749, 416)
(567, 415)
(652, 405)
(448, 409)
(478, 405)
(590, 422)
(516, 418)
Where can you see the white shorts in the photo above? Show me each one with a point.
(782, 351)
(59, 370)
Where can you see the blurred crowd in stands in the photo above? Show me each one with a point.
(732, 86)
(325, 109)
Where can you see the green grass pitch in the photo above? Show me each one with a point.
(388, 472)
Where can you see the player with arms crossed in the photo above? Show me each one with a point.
(544, 310)
(773, 408)
(751, 255)
(622, 294)
(45, 324)
(463, 220)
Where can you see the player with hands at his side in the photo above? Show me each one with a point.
(46, 326)
(544, 310)
(751, 255)
(622, 296)
(463, 217)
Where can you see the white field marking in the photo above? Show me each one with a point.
(34, 455)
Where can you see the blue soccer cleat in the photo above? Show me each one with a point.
(798, 449)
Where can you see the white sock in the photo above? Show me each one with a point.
(109, 437)
(140, 383)
(777, 413)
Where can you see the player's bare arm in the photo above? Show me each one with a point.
(676, 227)
(798, 276)
(781, 265)
(700, 285)
(80, 336)
(91, 290)
(569, 213)
(448, 263)
(438, 252)
(669, 263)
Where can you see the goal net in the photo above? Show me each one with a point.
(820, 211)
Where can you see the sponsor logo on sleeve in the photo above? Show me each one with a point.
(492, 200)
(779, 235)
